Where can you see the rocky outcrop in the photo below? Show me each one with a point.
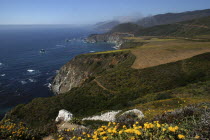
(108, 116)
(137, 112)
(70, 75)
(116, 38)
(82, 67)
(64, 115)
(111, 115)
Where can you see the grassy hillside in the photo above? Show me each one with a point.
(185, 29)
(124, 86)
(167, 78)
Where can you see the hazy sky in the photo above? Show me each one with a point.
(88, 11)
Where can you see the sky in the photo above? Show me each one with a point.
(80, 12)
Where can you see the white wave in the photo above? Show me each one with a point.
(1, 64)
(32, 80)
(49, 85)
(60, 46)
(30, 70)
(117, 47)
(23, 82)
(92, 51)
(3, 75)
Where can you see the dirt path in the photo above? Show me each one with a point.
(100, 85)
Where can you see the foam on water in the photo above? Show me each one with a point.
(23, 82)
(30, 70)
(60, 46)
(32, 80)
(2, 75)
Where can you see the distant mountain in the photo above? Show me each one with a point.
(126, 27)
(187, 28)
(169, 18)
(106, 26)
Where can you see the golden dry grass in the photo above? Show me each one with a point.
(162, 51)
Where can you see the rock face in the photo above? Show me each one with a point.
(136, 112)
(70, 75)
(116, 38)
(108, 116)
(82, 67)
(64, 115)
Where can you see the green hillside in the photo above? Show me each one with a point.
(171, 18)
(126, 27)
(184, 29)
(124, 87)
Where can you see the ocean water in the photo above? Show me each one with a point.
(25, 73)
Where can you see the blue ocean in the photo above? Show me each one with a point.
(30, 55)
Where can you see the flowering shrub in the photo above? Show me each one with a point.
(155, 131)
(195, 118)
(13, 131)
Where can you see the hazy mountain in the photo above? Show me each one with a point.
(169, 18)
(126, 27)
(187, 28)
(106, 25)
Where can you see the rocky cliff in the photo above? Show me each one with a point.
(116, 38)
(82, 67)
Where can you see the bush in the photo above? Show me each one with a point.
(115, 131)
(128, 119)
(195, 118)
(76, 121)
(16, 131)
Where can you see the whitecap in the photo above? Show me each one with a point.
(1, 64)
(32, 80)
(2, 75)
(23, 82)
(30, 70)
(60, 46)
(92, 51)
(49, 85)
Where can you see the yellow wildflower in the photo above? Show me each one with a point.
(158, 125)
(105, 138)
(180, 136)
(176, 127)
(137, 132)
(172, 129)
(124, 126)
(197, 137)
(100, 129)
(120, 132)
(102, 133)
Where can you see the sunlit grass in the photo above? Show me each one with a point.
(112, 51)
